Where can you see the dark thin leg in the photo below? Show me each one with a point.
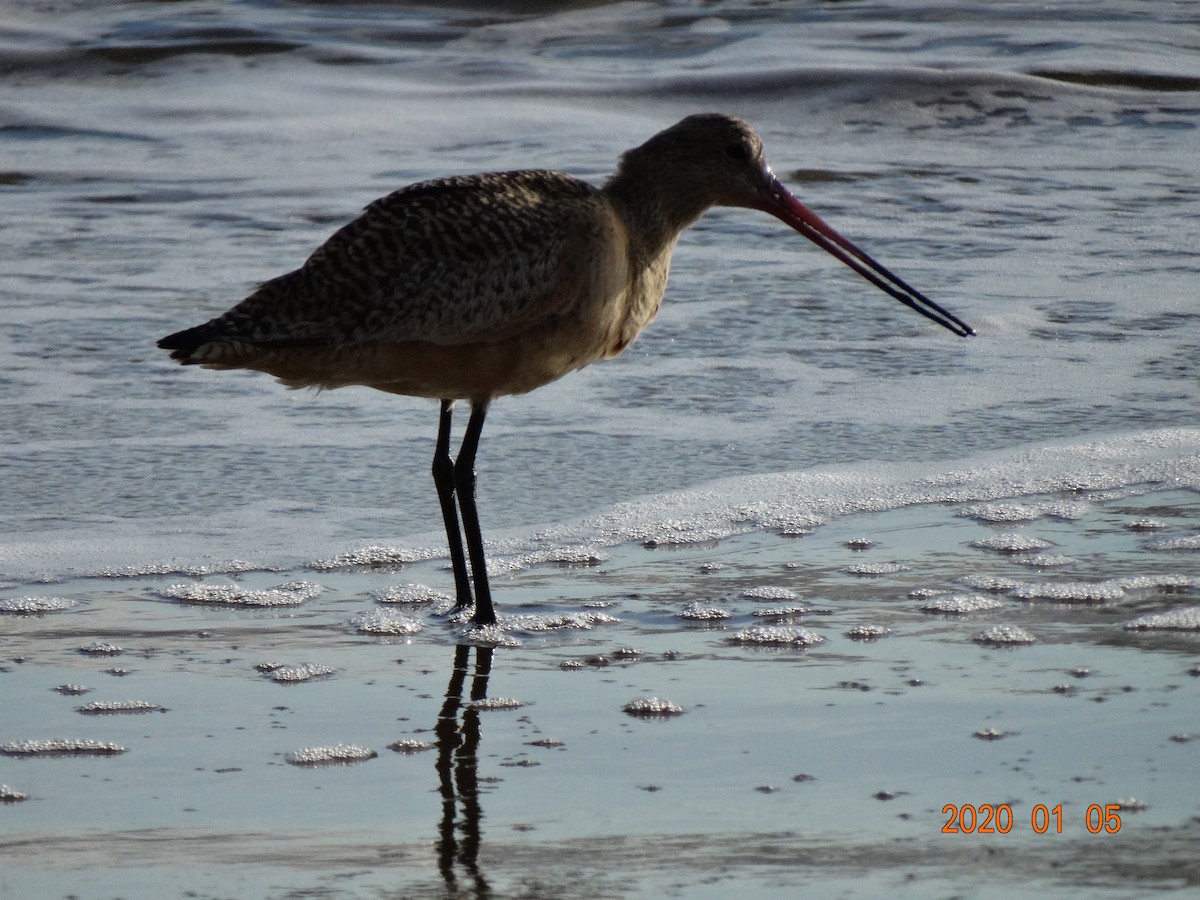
(443, 478)
(464, 486)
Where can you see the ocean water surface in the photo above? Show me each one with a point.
(818, 525)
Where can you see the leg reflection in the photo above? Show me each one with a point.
(458, 771)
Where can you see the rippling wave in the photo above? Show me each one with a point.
(162, 158)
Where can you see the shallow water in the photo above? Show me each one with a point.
(1032, 169)
(826, 764)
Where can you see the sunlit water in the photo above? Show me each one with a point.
(1034, 170)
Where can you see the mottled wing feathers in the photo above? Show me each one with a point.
(448, 262)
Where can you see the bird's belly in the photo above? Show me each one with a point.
(471, 371)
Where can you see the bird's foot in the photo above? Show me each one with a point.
(459, 613)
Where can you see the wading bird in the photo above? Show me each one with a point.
(477, 286)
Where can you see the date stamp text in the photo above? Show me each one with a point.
(988, 818)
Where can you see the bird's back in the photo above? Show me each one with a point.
(447, 262)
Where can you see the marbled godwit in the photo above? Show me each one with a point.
(473, 287)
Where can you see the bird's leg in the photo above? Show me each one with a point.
(464, 486)
(443, 479)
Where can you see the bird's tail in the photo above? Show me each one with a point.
(185, 344)
(269, 319)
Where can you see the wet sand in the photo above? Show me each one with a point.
(825, 718)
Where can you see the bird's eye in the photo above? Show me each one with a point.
(737, 151)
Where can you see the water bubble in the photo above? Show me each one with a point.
(61, 747)
(1008, 635)
(1011, 543)
(35, 606)
(999, 513)
(780, 612)
(777, 635)
(372, 558)
(652, 708)
(1191, 542)
(99, 648)
(337, 754)
(867, 632)
(698, 612)
(558, 621)
(108, 707)
(1046, 560)
(1185, 618)
(489, 704)
(991, 734)
(1133, 805)
(410, 746)
(385, 621)
(1146, 524)
(291, 594)
(875, 570)
(960, 604)
(768, 592)
(294, 674)
(1070, 592)
(992, 583)
(414, 594)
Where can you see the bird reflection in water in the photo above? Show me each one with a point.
(459, 834)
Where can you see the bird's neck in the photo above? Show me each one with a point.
(654, 211)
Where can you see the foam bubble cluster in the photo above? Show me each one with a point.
(1046, 560)
(1191, 542)
(1000, 513)
(227, 567)
(412, 594)
(960, 604)
(992, 583)
(410, 746)
(1009, 635)
(1146, 524)
(294, 674)
(769, 592)
(291, 594)
(372, 558)
(488, 635)
(108, 707)
(585, 621)
(1070, 592)
(1011, 543)
(495, 703)
(991, 734)
(867, 632)
(385, 621)
(100, 648)
(652, 707)
(777, 635)
(337, 754)
(698, 612)
(1165, 580)
(35, 606)
(1185, 618)
(10, 795)
(577, 556)
(61, 747)
(780, 612)
(874, 570)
